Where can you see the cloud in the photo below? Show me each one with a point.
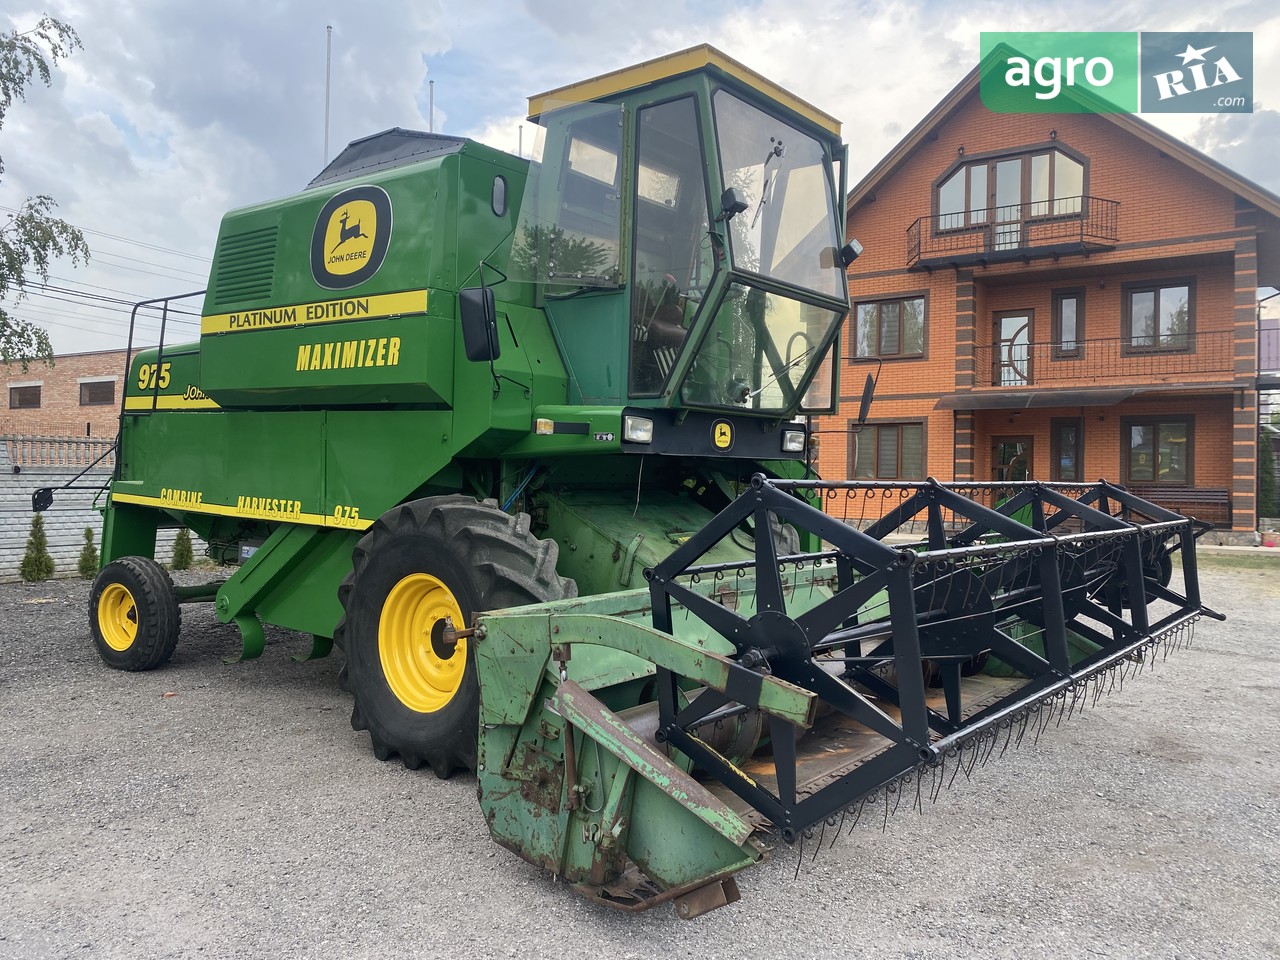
(174, 113)
(1248, 143)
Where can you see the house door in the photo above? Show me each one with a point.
(1011, 356)
(1010, 459)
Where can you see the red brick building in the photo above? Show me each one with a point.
(1060, 297)
(77, 396)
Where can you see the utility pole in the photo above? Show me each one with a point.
(328, 63)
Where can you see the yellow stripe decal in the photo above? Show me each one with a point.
(175, 402)
(340, 519)
(320, 311)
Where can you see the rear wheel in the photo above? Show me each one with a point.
(420, 565)
(133, 614)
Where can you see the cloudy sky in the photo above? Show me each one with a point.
(176, 111)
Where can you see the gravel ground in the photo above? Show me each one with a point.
(206, 810)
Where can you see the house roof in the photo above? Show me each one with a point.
(1241, 186)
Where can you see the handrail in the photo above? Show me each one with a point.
(1106, 359)
(1011, 230)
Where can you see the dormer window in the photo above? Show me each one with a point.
(1003, 192)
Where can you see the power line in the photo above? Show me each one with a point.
(133, 295)
(62, 320)
(71, 326)
(108, 306)
(130, 241)
(37, 289)
(108, 326)
(121, 256)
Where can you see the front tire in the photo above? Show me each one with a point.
(422, 563)
(133, 614)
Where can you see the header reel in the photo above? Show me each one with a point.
(780, 693)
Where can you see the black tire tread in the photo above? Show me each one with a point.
(511, 567)
(159, 615)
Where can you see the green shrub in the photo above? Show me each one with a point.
(36, 562)
(88, 556)
(182, 556)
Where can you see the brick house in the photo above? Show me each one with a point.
(1059, 297)
(78, 396)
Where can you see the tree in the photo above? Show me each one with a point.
(1267, 503)
(37, 564)
(182, 555)
(88, 556)
(32, 237)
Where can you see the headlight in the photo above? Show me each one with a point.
(637, 429)
(544, 427)
(793, 441)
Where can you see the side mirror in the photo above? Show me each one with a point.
(479, 319)
(864, 408)
(732, 202)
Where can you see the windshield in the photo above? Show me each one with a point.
(759, 352)
(789, 229)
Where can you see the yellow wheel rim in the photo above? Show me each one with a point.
(117, 617)
(421, 670)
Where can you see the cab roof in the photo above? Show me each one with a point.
(674, 65)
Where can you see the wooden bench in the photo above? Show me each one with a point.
(1204, 503)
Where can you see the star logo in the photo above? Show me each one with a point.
(1191, 53)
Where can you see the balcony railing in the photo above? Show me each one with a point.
(59, 452)
(1109, 360)
(1013, 232)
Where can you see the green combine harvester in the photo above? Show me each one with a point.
(526, 440)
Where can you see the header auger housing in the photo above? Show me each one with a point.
(450, 407)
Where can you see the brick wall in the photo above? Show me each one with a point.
(61, 414)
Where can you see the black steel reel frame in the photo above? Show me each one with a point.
(1081, 558)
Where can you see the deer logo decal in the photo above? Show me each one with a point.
(348, 232)
(351, 237)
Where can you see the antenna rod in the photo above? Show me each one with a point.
(431, 106)
(328, 63)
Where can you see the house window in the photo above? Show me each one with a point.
(1068, 323)
(1159, 316)
(1005, 190)
(24, 396)
(1066, 450)
(95, 393)
(890, 328)
(887, 451)
(1159, 450)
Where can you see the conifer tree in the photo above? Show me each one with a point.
(37, 564)
(182, 555)
(88, 556)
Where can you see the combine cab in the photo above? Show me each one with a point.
(525, 440)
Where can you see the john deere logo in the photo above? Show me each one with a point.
(350, 238)
(722, 434)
